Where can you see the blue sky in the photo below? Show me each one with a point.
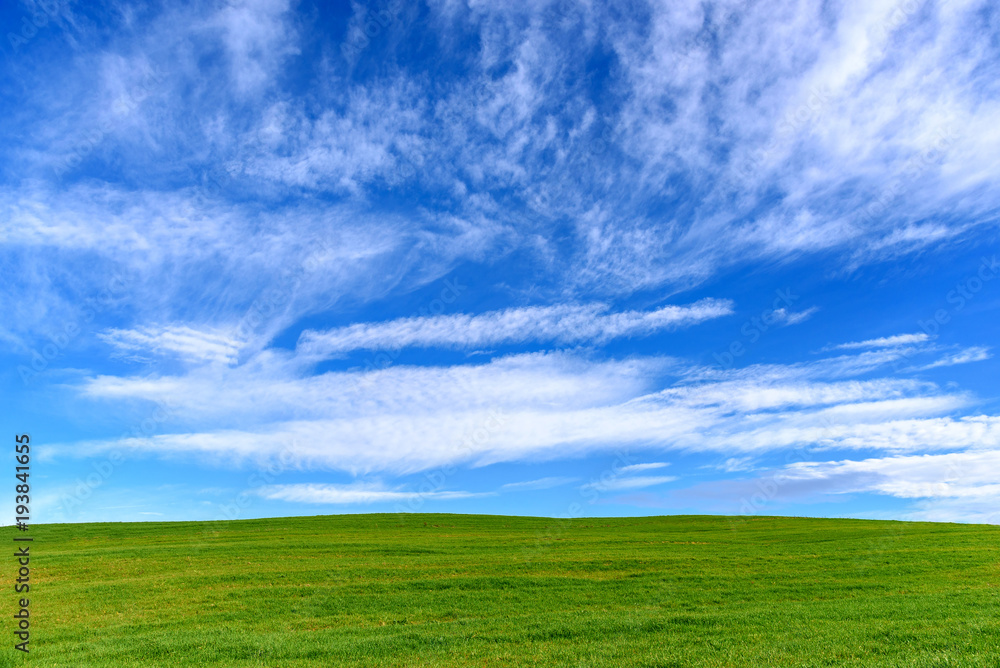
(557, 258)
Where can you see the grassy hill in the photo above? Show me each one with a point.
(467, 590)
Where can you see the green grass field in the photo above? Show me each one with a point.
(467, 590)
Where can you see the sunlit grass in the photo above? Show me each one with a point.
(465, 590)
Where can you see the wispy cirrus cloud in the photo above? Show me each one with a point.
(352, 493)
(970, 354)
(633, 482)
(787, 317)
(591, 323)
(190, 344)
(799, 167)
(636, 468)
(883, 342)
(541, 483)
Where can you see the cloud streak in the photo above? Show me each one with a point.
(634, 482)
(532, 485)
(884, 342)
(358, 493)
(589, 323)
(213, 347)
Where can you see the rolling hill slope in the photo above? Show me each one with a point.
(466, 590)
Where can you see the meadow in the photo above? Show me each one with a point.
(467, 590)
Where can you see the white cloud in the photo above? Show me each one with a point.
(541, 483)
(734, 464)
(273, 387)
(561, 324)
(201, 263)
(635, 482)
(199, 346)
(793, 317)
(532, 407)
(971, 474)
(970, 354)
(961, 509)
(636, 468)
(258, 37)
(884, 342)
(353, 493)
